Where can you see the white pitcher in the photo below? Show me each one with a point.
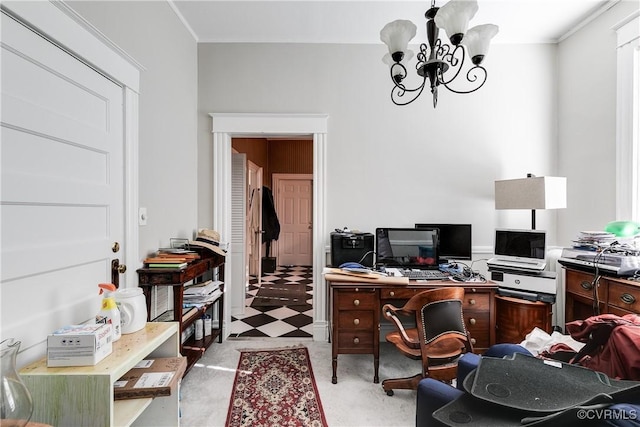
(133, 309)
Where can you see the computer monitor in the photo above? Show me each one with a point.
(527, 244)
(407, 247)
(455, 241)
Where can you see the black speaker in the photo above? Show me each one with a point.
(352, 247)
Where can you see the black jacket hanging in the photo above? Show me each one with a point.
(270, 222)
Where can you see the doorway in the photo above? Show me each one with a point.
(227, 125)
(279, 294)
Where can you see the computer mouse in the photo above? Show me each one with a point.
(351, 265)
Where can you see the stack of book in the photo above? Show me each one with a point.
(164, 259)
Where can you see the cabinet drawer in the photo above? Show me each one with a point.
(355, 319)
(355, 341)
(355, 299)
(476, 301)
(476, 321)
(624, 296)
(478, 327)
(581, 284)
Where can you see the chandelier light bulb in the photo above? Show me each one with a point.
(477, 41)
(454, 18)
(396, 35)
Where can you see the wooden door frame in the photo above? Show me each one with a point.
(227, 125)
(275, 180)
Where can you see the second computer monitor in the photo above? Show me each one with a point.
(455, 240)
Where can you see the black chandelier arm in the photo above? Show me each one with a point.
(452, 60)
(399, 91)
(422, 55)
(398, 72)
(476, 75)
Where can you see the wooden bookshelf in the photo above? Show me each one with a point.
(196, 271)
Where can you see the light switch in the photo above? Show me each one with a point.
(142, 216)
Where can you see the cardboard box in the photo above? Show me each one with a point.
(79, 345)
(151, 378)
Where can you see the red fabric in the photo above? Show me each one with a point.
(612, 344)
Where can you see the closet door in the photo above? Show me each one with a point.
(239, 265)
(62, 192)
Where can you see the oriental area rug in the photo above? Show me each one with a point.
(275, 388)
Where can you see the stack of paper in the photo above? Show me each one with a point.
(593, 240)
(201, 293)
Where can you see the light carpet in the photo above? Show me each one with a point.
(355, 401)
(275, 388)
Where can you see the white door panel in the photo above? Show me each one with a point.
(62, 142)
(238, 248)
(294, 198)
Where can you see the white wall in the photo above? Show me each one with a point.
(390, 165)
(152, 34)
(587, 123)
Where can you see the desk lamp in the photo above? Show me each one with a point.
(532, 192)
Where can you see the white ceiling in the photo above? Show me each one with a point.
(360, 21)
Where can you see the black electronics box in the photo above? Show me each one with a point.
(268, 264)
(352, 247)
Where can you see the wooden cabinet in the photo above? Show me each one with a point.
(196, 271)
(613, 295)
(516, 317)
(357, 309)
(83, 395)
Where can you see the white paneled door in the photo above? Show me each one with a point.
(62, 185)
(294, 205)
(254, 220)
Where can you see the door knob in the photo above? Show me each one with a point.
(116, 270)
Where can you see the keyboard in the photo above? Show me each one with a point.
(424, 274)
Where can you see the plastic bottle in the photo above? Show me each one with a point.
(199, 329)
(109, 310)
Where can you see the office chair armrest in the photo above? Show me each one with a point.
(389, 311)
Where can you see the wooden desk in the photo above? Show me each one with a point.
(616, 295)
(357, 306)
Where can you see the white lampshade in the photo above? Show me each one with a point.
(454, 18)
(387, 59)
(477, 41)
(544, 192)
(397, 34)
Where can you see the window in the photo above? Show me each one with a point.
(627, 117)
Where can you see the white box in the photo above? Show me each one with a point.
(79, 345)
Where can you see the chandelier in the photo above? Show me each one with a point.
(440, 63)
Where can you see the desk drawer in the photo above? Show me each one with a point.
(581, 284)
(625, 297)
(477, 323)
(355, 341)
(355, 319)
(476, 301)
(355, 299)
(399, 293)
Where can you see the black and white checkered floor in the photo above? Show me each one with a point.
(272, 321)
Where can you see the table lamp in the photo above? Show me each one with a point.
(532, 192)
